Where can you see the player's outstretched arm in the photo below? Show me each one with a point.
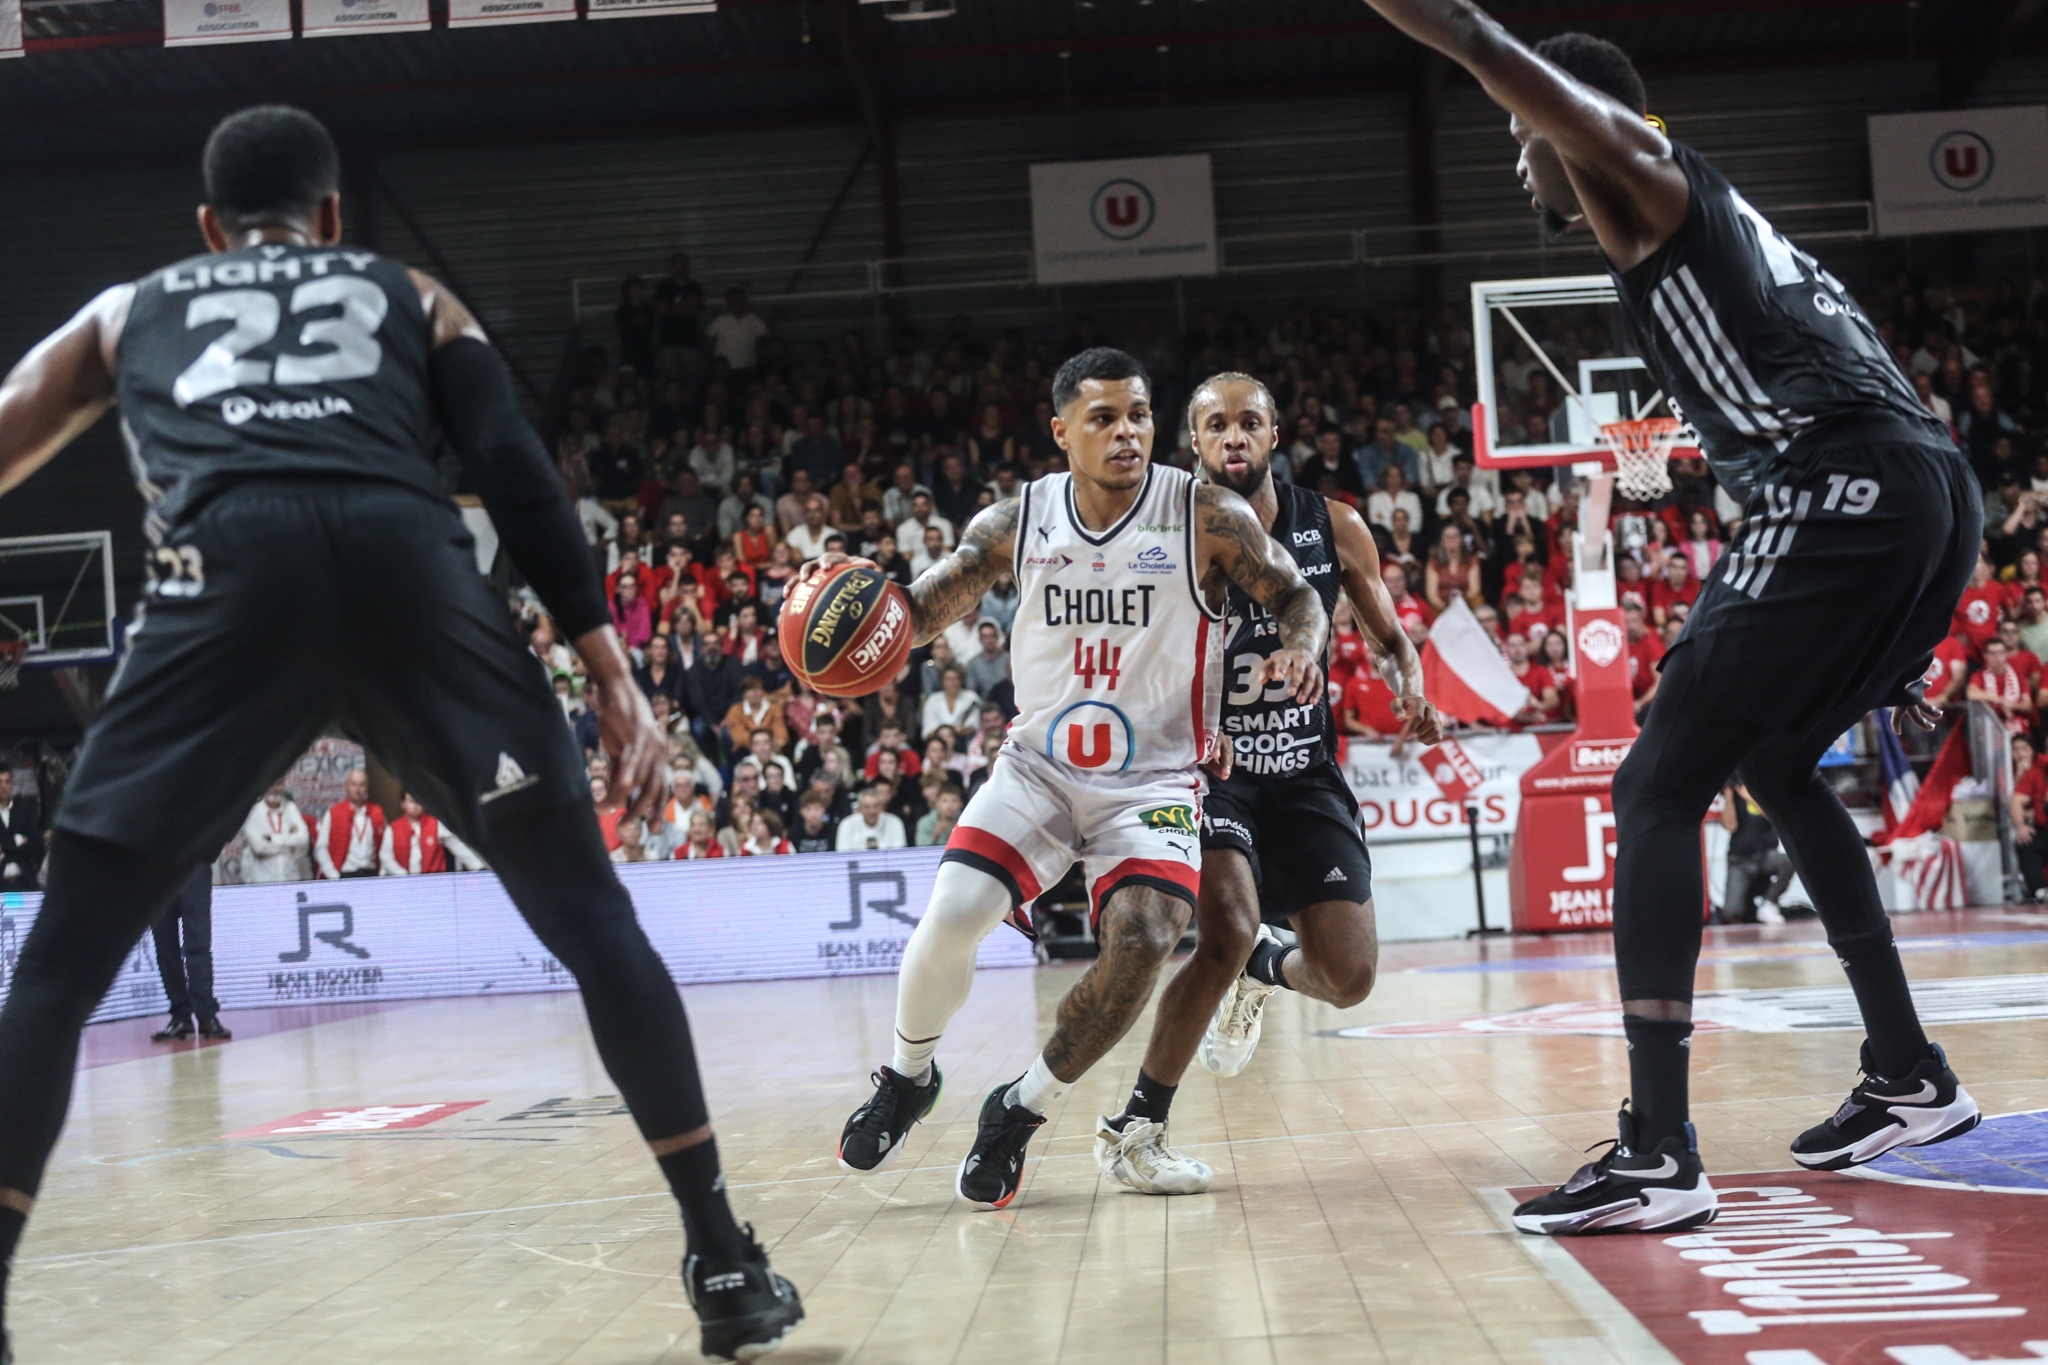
(1393, 653)
(951, 588)
(61, 387)
(1231, 543)
(523, 492)
(1633, 195)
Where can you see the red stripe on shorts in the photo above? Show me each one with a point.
(968, 839)
(1157, 869)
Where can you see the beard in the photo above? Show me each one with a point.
(1244, 485)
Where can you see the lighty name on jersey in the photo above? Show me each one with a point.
(234, 274)
(1098, 606)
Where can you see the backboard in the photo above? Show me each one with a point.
(1569, 331)
(57, 592)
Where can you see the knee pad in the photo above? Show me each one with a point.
(966, 902)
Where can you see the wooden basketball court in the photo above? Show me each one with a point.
(1356, 1215)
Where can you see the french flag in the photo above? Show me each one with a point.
(1901, 786)
(1463, 671)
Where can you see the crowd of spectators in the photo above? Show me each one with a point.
(711, 456)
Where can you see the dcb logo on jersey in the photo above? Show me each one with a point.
(1308, 537)
(1962, 160)
(1601, 642)
(1122, 209)
(1092, 735)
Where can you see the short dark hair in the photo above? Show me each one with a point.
(1104, 363)
(1598, 63)
(270, 160)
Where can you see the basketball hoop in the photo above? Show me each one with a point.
(12, 652)
(1642, 455)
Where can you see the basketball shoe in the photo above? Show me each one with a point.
(1662, 1190)
(1138, 1156)
(743, 1307)
(1927, 1105)
(1240, 1016)
(873, 1137)
(993, 1169)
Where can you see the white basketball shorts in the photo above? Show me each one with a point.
(1033, 820)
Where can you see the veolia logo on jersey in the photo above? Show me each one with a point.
(1093, 736)
(1122, 209)
(1600, 642)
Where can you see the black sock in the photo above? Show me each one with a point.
(1659, 1057)
(699, 1188)
(12, 1221)
(1265, 964)
(1149, 1100)
(1897, 1043)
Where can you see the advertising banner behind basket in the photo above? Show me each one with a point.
(399, 938)
(10, 28)
(1962, 170)
(1143, 219)
(201, 23)
(1398, 798)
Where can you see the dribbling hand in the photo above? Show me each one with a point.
(1300, 671)
(1218, 761)
(829, 561)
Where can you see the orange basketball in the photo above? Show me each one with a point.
(845, 632)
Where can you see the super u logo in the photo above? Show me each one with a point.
(1092, 735)
(1122, 209)
(1962, 160)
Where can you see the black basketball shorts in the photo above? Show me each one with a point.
(1842, 580)
(298, 605)
(1301, 833)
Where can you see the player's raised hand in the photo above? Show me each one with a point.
(1299, 670)
(1419, 719)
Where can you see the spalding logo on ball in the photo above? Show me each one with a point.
(845, 632)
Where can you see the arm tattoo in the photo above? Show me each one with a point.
(1255, 562)
(1140, 928)
(949, 589)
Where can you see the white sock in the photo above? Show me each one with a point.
(913, 1061)
(1038, 1088)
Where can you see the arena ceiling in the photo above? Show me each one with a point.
(98, 88)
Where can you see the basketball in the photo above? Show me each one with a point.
(847, 631)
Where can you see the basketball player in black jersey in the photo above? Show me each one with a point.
(279, 397)
(1860, 529)
(1281, 825)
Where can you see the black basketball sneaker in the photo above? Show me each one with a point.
(1927, 1105)
(743, 1307)
(1662, 1190)
(873, 1137)
(994, 1168)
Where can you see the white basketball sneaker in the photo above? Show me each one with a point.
(1234, 1031)
(1139, 1157)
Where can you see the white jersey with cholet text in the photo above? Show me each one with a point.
(1117, 659)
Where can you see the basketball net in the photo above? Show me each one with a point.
(12, 652)
(1642, 455)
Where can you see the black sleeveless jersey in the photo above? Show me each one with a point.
(274, 361)
(1758, 347)
(1273, 736)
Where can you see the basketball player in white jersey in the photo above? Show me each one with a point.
(1124, 569)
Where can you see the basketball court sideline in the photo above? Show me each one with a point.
(449, 1181)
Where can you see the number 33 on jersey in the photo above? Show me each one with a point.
(1117, 660)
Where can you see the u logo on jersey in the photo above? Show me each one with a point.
(1092, 735)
